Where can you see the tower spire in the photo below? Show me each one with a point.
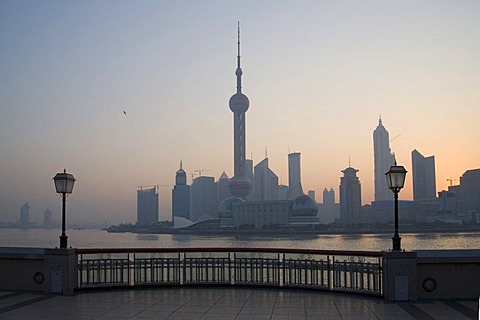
(238, 72)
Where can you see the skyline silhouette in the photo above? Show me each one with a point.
(119, 93)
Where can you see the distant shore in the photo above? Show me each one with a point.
(274, 232)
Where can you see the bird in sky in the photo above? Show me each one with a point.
(124, 112)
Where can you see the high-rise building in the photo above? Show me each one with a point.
(294, 176)
(266, 182)
(423, 175)
(25, 215)
(240, 184)
(181, 195)
(311, 194)
(328, 196)
(222, 188)
(47, 217)
(329, 208)
(469, 192)
(249, 173)
(350, 196)
(203, 199)
(147, 206)
(383, 160)
(282, 192)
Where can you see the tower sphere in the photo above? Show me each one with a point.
(239, 186)
(239, 103)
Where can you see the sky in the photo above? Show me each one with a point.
(318, 75)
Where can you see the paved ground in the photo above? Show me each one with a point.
(223, 304)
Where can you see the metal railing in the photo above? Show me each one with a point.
(353, 271)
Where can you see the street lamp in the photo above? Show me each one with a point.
(395, 180)
(64, 185)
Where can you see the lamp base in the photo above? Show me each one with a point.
(397, 243)
(63, 241)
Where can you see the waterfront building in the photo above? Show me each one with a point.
(147, 206)
(25, 215)
(203, 199)
(350, 196)
(240, 184)
(47, 218)
(383, 160)
(423, 176)
(266, 182)
(181, 195)
(294, 176)
(261, 214)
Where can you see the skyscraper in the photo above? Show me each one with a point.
(266, 182)
(47, 217)
(25, 215)
(240, 184)
(383, 160)
(181, 195)
(423, 173)
(222, 188)
(147, 206)
(350, 195)
(203, 199)
(294, 176)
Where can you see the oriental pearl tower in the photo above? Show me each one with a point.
(239, 184)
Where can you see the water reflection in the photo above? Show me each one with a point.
(147, 237)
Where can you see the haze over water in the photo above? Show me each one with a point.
(370, 242)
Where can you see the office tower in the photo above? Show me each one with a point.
(249, 173)
(329, 207)
(423, 173)
(203, 199)
(25, 215)
(266, 182)
(294, 176)
(469, 193)
(47, 217)
(350, 196)
(240, 184)
(147, 206)
(311, 194)
(383, 160)
(282, 192)
(328, 196)
(222, 188)
(181, 195)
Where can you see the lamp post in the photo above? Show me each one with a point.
(64, 185)
(395, 180)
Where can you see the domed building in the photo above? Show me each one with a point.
(225, 211)
(304, 211)
(304, 206)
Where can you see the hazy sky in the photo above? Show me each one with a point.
(318, 75)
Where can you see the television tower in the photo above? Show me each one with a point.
(240, 184)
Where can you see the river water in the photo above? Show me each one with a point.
(48, 238)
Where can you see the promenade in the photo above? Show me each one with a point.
(224, 304)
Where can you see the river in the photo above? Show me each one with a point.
(91, 238)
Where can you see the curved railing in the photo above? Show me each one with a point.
(353, 271)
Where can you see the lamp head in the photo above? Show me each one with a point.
(64, 182)
(396, 177)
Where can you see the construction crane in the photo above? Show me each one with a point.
(199, 171)
(451, 181)
(398, 135)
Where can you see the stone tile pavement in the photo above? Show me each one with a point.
(224, 304)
